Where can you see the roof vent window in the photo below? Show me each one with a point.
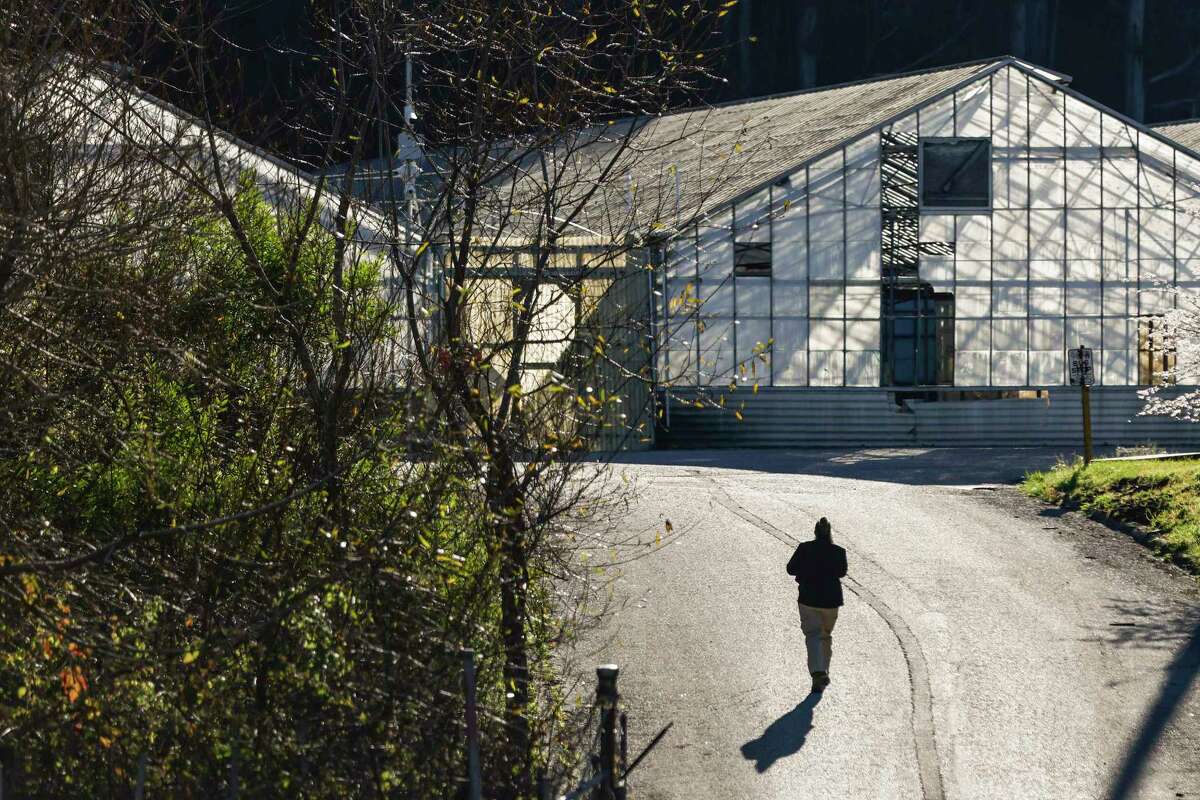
(956, 174)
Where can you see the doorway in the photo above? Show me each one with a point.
(918, 336)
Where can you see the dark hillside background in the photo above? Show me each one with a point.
(1140, 57)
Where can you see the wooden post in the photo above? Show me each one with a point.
(474, 776)
(1087, 424)
(1082, 373)
(613, 785)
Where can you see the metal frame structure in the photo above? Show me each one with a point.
(1038, 271)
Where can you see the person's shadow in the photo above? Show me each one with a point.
(784, 736)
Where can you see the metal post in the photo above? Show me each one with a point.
(623, 763)
(474, 776)
(613, 785)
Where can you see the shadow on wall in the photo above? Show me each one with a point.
(783, 737)
(914, 466)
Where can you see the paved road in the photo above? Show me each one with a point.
(989, 648)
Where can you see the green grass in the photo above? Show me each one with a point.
(1163, 496)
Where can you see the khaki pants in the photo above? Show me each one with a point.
(817, 624)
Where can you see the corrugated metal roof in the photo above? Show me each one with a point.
(691, 162)
(1186, 133)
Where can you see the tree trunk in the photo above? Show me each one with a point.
(1034, 28)
(514, 601)
(1019, 41)
(1135, 60)
(806, 41)
(745, 68)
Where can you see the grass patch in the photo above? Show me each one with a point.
(1163, 496)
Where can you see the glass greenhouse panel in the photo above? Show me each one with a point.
(862, 368)
(1083, 233)
(1046, 121)
(827, 367)
(1083, 124)
(827, 301)
(826, 334)
(1010, 234)
(862, 301)
(717, 356)
(973, 237)
(1009, 368)
(790, 298)
(971, 368)
(753, 351)
(1010, 183)
(790, 352)
(681, 352)
(1047, 334)
(1046, 367)
(1084, 180)
(973, 112)
(752, 219)
(1047, 182)
(937, 119)
(753, 297)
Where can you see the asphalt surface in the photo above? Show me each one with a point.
(989, 647)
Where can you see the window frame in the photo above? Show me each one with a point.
(924, 209)
(740, 270)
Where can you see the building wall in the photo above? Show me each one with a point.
(1091, 218)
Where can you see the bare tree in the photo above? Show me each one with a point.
(299, 489)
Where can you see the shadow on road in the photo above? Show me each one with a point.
(1179, 677)
(915, 466)
(783, 737)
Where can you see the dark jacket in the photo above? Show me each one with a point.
(817, 566)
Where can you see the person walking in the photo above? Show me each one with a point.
(818, 566)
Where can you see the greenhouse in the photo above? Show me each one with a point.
(949, 249)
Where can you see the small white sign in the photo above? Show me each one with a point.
(1081, 366)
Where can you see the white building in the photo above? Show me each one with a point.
(908, 259)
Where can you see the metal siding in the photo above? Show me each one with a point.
(846, 418)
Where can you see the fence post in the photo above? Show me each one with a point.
(613, 785)
(623, 763)
(473, 769)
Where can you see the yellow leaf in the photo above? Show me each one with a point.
(105, 742)
(190, 656)
(593, 36)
